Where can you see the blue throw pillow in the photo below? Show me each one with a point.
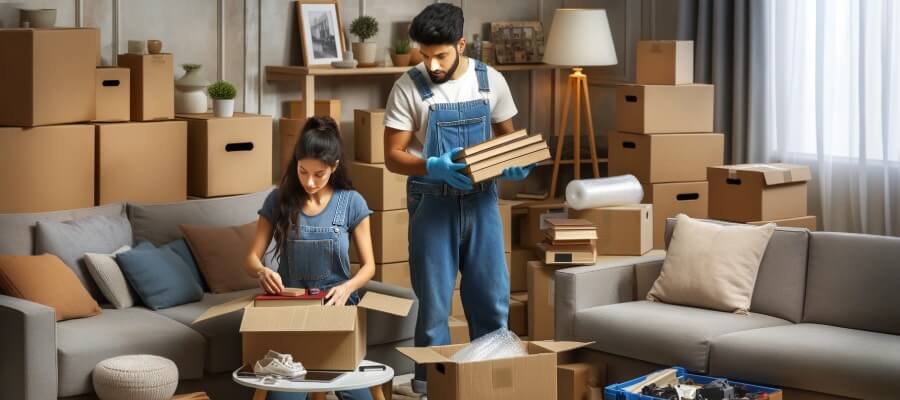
(181, 248)
(159, 276)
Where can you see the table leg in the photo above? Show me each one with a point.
(260, 394)
(317, 396)
(377, 393)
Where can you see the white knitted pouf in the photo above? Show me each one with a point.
(135, 377)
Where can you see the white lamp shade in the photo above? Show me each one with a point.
(580, 37)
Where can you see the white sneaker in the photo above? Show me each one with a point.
(287, 359)
(279, 366)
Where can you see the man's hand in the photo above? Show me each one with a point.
(445, 169)
(517, 173)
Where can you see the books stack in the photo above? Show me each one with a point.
(488, 159)
(291, 297)
(568, 242)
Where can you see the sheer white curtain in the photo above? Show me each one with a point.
(825, 91)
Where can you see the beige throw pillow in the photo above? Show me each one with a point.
(711, 265)
(220, 252)
(108, 277)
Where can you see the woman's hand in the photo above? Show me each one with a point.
(339, 294)
(270, 281)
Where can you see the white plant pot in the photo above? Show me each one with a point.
(223, 108)
(365, 52)
(191, 100)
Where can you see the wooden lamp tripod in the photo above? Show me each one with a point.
(578, 37)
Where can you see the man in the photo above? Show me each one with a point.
(439, 107)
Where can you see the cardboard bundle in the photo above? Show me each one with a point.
(569, 242)
(488, 159)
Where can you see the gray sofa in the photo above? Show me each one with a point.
(824, 321)
(42, 359)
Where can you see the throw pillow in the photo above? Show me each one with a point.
(44, 279)
(220, 252)
(71, 239)
(711, 265)
(108, 276)
(160, 277)
(180, 247)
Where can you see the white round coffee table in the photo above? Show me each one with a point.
(372, 378)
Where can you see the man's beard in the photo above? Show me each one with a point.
(449, 73)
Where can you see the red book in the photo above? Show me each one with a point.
(307, 299)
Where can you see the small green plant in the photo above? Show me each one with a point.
(221, 90)
(191, 67)
(364, 27)
(402, 46)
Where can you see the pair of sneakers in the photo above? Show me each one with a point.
(278, 364)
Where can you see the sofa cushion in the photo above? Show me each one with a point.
(223, 338)
(853, 281)
(158, 223)
(781, 280)
(71, 239)
(17, 230)
(661, 333)
(160, 277)
(822, 358)
(46, 280)
(82, 343)
(108, 276)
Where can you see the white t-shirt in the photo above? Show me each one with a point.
(406, 111)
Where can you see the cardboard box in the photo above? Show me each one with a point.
(530, 377)
(808, 222)
(662, 158)
(396, 274)
(113, 99)
(46, 168)
(47, 75)
(141, 162)
(538, 213)
(354, 268)
(456, 305)
(320, 337)
(665, 62)
(152, 85)
(505, 207)
(575, 381)
(390, 232)
(322, 108)
(228, 156)
(518, 314)
(541, 308)
(623, 230)
(368, 127)
(757, 192)
(289, 131)
(518, 257)
(382, 189)
(459, 330)
(664, 109)
(671, 199)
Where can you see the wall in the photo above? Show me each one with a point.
(236, 39)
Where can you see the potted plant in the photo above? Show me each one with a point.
(364, 27)
(400, 56)
(223, 94)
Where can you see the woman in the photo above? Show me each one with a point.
(311, 216)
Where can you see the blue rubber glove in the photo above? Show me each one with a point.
(516, 173)
(445, 169)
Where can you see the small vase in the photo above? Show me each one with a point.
(190, 92)
(42, 18)
(223, 108)
(400, 60)
(365, 52)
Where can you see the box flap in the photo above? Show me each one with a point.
(226, 308)
(423, 355)
(299, 319)
(773, 174)
(386, 304)
(560, 347)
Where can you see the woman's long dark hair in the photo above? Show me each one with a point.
(319, 140)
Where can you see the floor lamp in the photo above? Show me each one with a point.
(580, 38)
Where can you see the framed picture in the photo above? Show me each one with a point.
(321, 32)
(518, 42)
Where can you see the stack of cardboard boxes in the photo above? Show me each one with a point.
(664, 124)
(760, 193)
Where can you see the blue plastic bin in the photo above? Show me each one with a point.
(617, 391)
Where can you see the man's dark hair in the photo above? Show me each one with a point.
(439, 23)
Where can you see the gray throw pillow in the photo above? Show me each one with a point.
(71, 239)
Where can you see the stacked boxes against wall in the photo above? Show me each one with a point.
(760, 193)
(663, 136)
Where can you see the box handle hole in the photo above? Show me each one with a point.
(242, 146)
(687, 196)
(733, 181)
(111, 83)
(629, 145)
(631, 99)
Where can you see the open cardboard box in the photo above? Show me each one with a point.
(529, 377)
(320, 337)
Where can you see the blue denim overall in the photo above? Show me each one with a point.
(318, 257)
(454, 230)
